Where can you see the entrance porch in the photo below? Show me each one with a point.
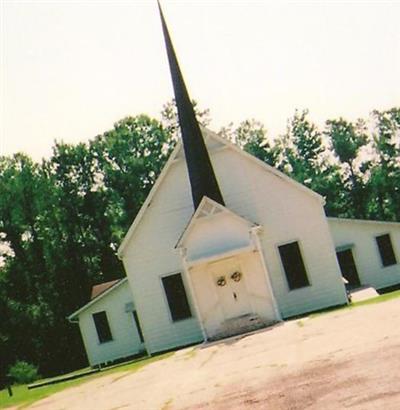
(232, 295)
(226, 273)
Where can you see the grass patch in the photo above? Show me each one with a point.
(23, 397)
(167, 404)
(190, 354)
(277, 365)
(300, 323)
(379, 299)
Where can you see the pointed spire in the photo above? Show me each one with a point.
(201, 173)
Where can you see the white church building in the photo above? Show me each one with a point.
(225, 244)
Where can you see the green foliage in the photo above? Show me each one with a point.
(384, 181)
(169, 117)
(251, 136)
(62, 221)
(347, 141)
(305, 156)
(22, 372)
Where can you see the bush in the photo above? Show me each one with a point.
(22, 372)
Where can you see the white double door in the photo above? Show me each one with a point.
(232, 294)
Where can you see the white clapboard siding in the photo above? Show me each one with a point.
(360, 237)
(126, 341)
(150, 254)
(287, 212)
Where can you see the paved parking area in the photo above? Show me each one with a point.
(348, 359)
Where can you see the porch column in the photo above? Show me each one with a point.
(255, 232)
(192, 291)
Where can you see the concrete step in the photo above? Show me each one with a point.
(363, 293)
(238, 325)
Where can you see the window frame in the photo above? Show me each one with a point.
(353, 250)
(379, 250)
(99, 341)
(289, 289)
(164, 293)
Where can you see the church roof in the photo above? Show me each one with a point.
(111, 286)
(211, 137)
(362, 221)
(202, 178)
(102, 287)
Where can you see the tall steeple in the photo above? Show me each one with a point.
(201, 173)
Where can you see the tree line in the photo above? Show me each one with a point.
(61, 220)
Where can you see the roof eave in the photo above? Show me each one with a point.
(146, 203)
(95, 300)
(191, 223)
(171, 160)
(365, 221)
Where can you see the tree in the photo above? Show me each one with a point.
(129, 159)
(305, 158)
(384, 192)
(24, 278)
(251, 136)
(63, 221)
(347, 140)
(170, 122)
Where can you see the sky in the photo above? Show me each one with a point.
(71, 69)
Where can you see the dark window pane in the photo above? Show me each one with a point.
(386, 250)
(293, 264)
(139, 329)
(102, 327)
(176, 296)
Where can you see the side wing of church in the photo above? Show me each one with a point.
(109, 324)
(368, 252)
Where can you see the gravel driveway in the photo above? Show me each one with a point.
(348, 359)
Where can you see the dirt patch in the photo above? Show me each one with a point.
(366, 381)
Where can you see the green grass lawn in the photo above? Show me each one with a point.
(379, 299)
(23, 397)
